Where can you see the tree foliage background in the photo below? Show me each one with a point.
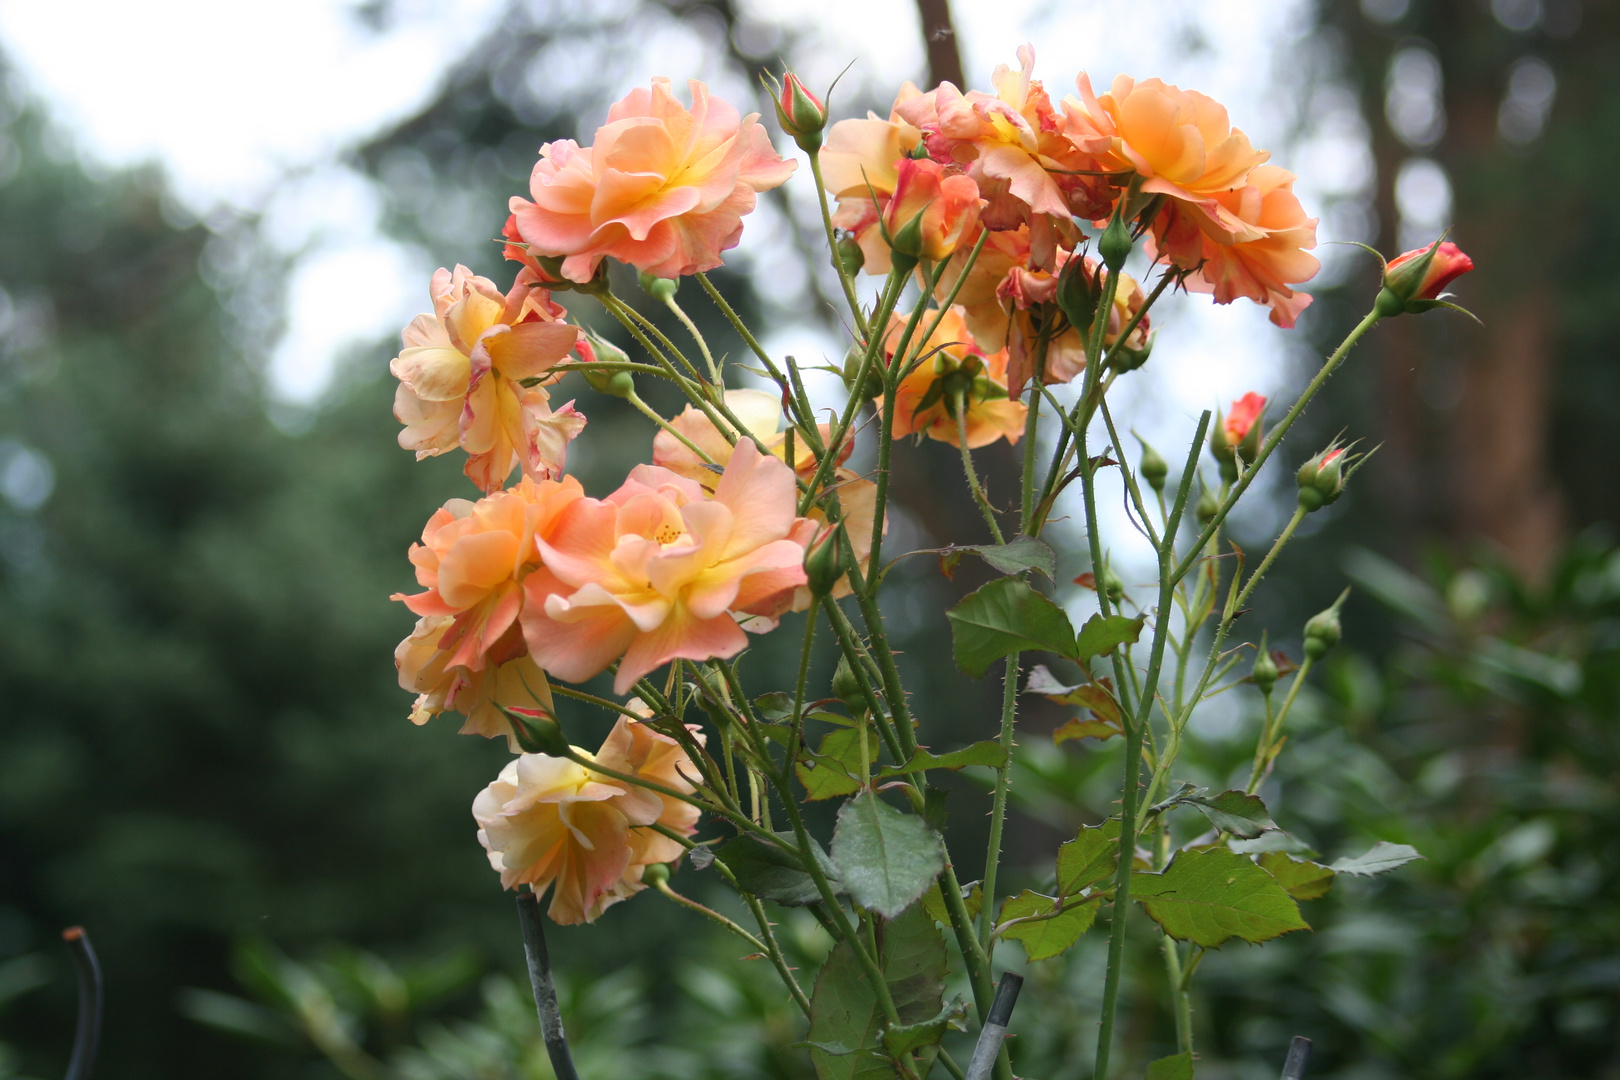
(204, 757)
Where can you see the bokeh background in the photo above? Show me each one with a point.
(213, 220)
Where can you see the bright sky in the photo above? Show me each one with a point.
(250, 105)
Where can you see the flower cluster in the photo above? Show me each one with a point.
(1228, 222)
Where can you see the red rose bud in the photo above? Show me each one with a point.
(801, 113)
(1415, 282)
(930, 213)
(1237, 434)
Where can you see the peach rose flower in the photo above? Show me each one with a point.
(507, 678)
(552, 821)
(925, 400)
(1179, 141)
(1264, 265)
(472, 561)
(460, 376)
(761, 415)
(1012, 144)
(860, 166)
(661, 569)
(663, 188)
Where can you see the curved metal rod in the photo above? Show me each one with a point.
(87, 1032)
(545, 993)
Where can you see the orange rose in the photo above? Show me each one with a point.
(461, 373)
(661, 569)
(664, 188)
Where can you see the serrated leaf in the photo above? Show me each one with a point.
(1175, 1067)
(1237, 812)
(1004, 617)
(1014, 557)
(844, 1010)
(836, 768)
(1304, 880)
(1084, 728)
(989, 753)
(1051, 937)
(886, 858)
(933, 902)
(1208, 897)
(1380, 858)
(766, 871)
(909, 1037)
(1090, 857)
(775, 706)
(1102, 635)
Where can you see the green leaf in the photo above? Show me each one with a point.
(1237, 812)
(1175, 1067)
(1274, 840)
(933, 902)
(909, 1037)
(1047, 937)
(1381, 858)
(1304, 880)
(886, 858)
(844, 1010)
(777, 706)
(989, 753)
(766, 871)
(1004, 617)
(1101, 636)
(1091, 857)
(1207, 897)
(836, 769)
(1020, 554)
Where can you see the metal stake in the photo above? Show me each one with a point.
(1299, 1055)
(988, 1047)
(545, 993)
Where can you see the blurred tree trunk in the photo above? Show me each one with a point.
(939, 38)
(1464, 411)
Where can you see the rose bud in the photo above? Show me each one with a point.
(1414, 282)
(930, 213)
(1153, 468)
(801, 113)
(1265, 671)
(1237, 435)
(1322, 630)
(1322, 479)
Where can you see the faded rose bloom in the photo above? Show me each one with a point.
(925, 401)
(930, 212)
(507, 678)
(664, 188)
(637, 750)
(460, 377)
(860, 166)
(661, 569)
(472, 561)
(761, 415)
(1012, 145)
(1265, 264)
(548, 820)
(999, 297)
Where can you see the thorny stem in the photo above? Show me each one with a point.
(758, 945)
(697, 336)
(604, 703)
(773, 949)
(1271, 556)
(1031, 422)
(844, 278)
(979, 497)
(647, 410)
(1274, 728)
(998, 807)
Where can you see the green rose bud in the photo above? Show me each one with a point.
(1264, 673)
(1153, 468)
(660, 289)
